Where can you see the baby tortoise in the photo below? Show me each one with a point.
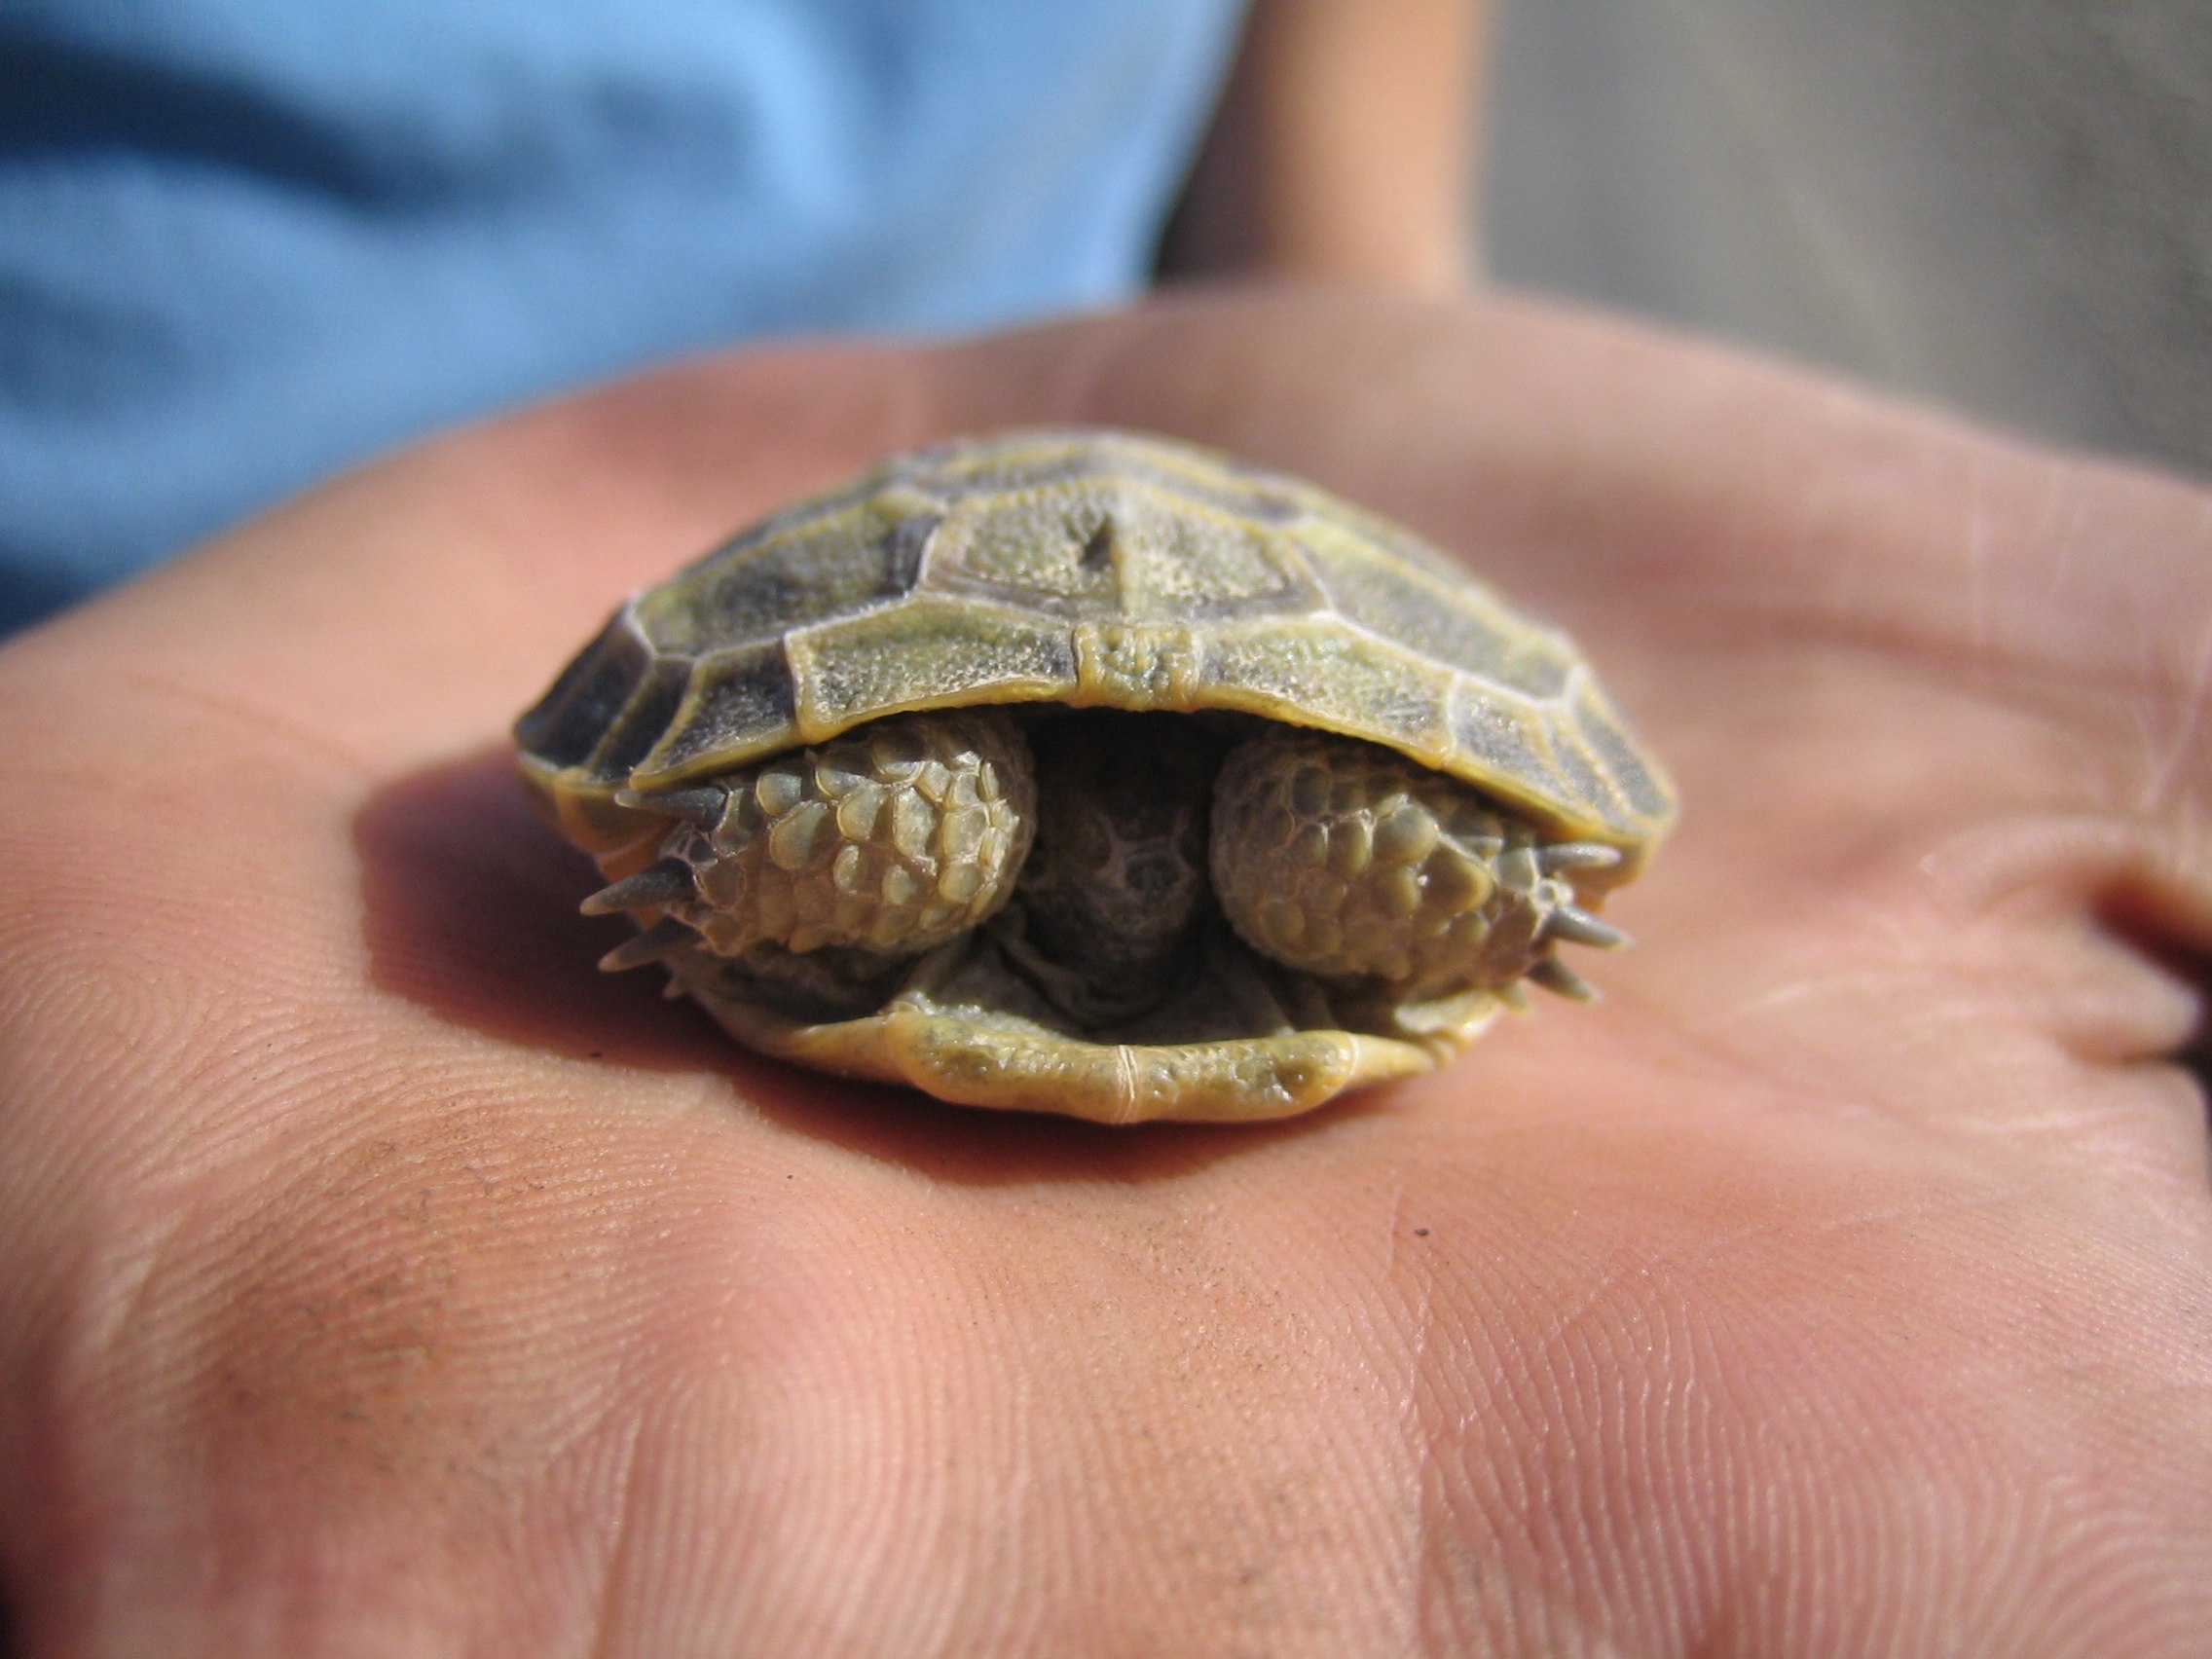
(1091, 773)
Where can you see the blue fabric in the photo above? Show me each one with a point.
(246, 243)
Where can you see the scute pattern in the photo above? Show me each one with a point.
(976, 573)
(733, 694)
(796, 764)
(1646, 794)
(828, 566)
(1339, 679)
(570, 721)
(1382, 593)
(654, 707)
(925, 654)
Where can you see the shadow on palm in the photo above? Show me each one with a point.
(469, 910)
(1771, 1307)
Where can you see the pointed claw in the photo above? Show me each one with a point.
(1568, 922)
(662, 883)
(1576, 855)
(1559, 978)
(702, 806)
(665, 937)
(676, 990)
(1512, 996)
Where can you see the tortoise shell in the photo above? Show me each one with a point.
(1093, 570)
(1089, 570)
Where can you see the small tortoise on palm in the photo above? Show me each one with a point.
(1089, 773)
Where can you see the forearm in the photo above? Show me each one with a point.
(1343, 148)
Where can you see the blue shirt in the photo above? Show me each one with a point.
(245, 242)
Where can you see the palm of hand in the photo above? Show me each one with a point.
(378, 1280)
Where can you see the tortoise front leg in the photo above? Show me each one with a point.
(822, 869)
(1346, 859)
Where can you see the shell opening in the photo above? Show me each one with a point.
(1099, 864)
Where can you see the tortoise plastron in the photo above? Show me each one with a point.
(1089, 773)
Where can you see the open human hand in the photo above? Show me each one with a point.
(376, 1278)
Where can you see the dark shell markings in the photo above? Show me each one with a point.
(1091, 773)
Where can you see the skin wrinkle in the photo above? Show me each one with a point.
(612, 1627)
(2082, 861)
(68, 1515)
(625, 1404)
(1651, 1441)
(1456, 1424)
(2034, 688)
(1976, 872)
(1419, 1311)
(1564, 1327)
(1222, 1333)
(1544, 1532)
(934, 1484)
(1857, 1222)
(970, 1584)
(1811, 1076)
(165, 690)
(1908, 628)
(2166, 768)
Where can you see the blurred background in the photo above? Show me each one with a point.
(248, 244)
(2003, 205)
